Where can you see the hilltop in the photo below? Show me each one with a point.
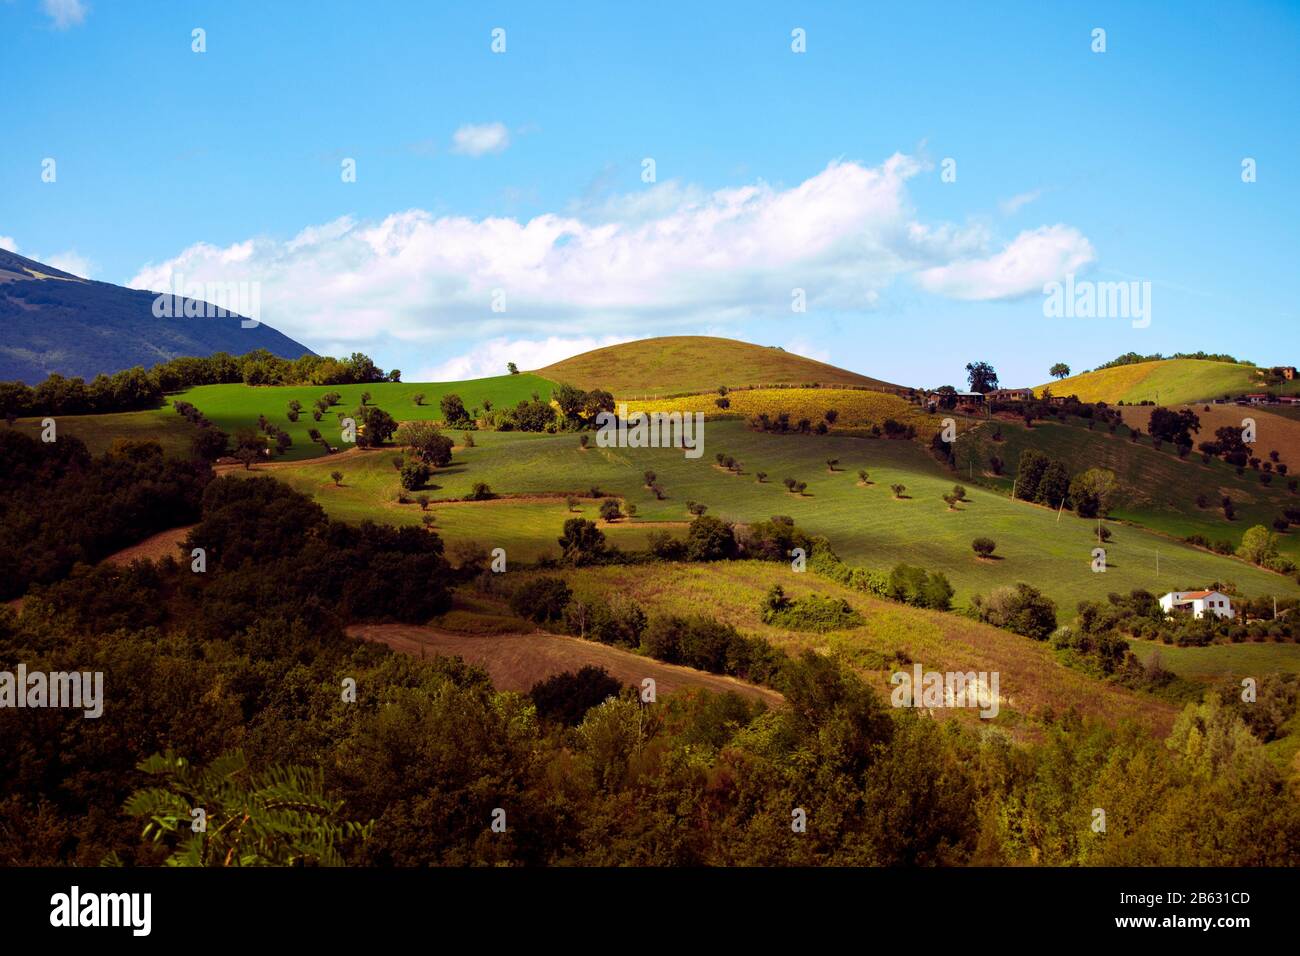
(684, 364)
(58, 322)
(1168, 382)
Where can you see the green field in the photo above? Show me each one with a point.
(688, 364)
(1219, 660)
(1168, 382)
(232, 407)
(1160, 490)
(99, 432)
(866, 525)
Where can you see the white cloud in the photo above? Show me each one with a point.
(476, 140)
(65, 13)
(490, 358)
(74, 262)
(1033, 258)
(1010, 207)
(664, 260)
(8, 243)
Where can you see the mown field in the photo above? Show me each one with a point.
(1274, 430)
(686, 364)
(1172, 381)
(866, 524)
(1159, 489)
(854, 407)
(99, 432)
(232, 407)
(1031, 680)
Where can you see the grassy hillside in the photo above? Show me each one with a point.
(1031, 679)
(866, 525)
(99, 432)
(685, 364)
(232, 407)
(1159, 490)
(1172, 381)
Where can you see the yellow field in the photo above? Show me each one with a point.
(857, 407)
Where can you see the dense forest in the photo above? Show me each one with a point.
(226, 685)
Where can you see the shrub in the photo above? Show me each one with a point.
(566, 698)
(919, 587)
(710, 539)
(609, 510)
(480, 492)
(984, 547)
(1022, 609)
(414, 474)
(541, 599)
(812, 613)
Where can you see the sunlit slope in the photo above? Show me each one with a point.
(1171, 381)
(682, 364)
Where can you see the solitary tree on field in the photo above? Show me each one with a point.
(418, 398)
(898, 490)
(512, 368)
(984, 547)
(337, 476)
(1059, 370)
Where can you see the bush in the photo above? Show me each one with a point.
(541, 600)
(812, 613)
(984, 547)
(480, 492)
(919, 587)
(710, 539)
(566, 698)
(1022, 609)
(414, 474)
(609, 510)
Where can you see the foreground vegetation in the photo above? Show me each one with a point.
(243, 680)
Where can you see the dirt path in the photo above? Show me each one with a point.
(319, 459)
(518, 661)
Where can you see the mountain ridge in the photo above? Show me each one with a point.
(55, 321)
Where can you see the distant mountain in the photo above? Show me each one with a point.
(53, 321)
(682, 364)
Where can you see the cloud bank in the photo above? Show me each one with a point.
(666, 259)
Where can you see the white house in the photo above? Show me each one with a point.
(1197, 603)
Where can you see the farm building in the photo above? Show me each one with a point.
(1196, 603)
(1011, 395)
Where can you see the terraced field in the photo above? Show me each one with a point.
(866, 524)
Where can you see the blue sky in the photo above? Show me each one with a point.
(515, 179)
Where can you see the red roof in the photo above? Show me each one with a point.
(1195, 595)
